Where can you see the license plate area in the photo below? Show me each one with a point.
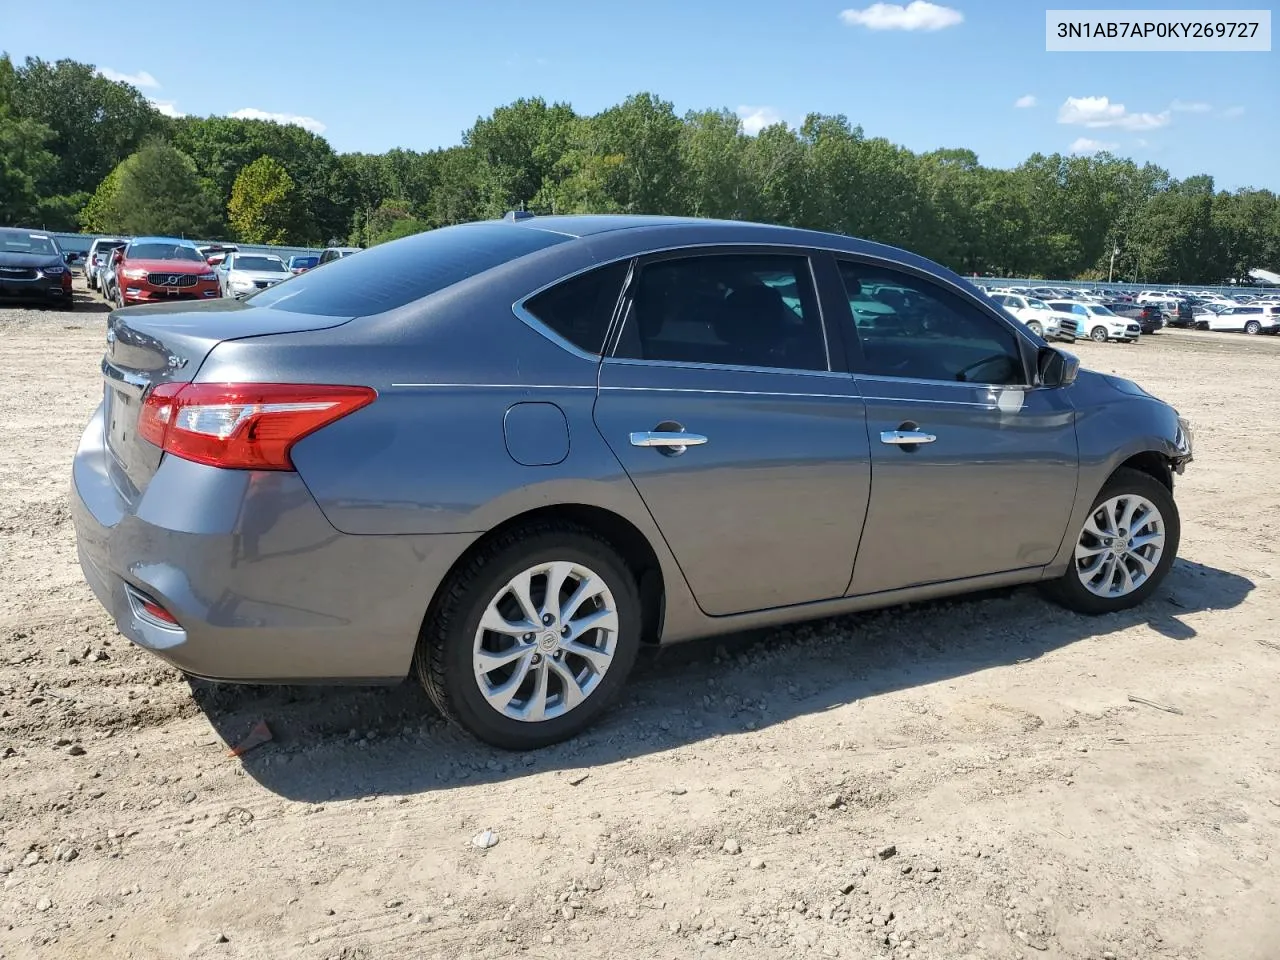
(121, 415)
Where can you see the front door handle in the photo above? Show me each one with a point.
(905, 438)
(670, 439)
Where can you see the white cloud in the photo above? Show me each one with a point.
(1232, 112)
(167, 107)
(1192, 106)
(1099, 112)
(1141, 143)
(755, 119)
(253, 113)
(1023, 102)
(916, 15)
(142, 80)
(1086, 145)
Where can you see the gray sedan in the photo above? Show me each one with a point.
(504, 455)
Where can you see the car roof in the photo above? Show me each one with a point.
(175, 241)
(662, 231)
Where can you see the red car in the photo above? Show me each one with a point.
(160, 269)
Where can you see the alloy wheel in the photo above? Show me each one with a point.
(1098, 334)
(1120, 546)
(545, 641)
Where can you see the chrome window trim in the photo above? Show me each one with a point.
(727, 367)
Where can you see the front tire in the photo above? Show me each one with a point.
(1252, 328)
(1125, 549)
(1098, 334)
(533, 637)
(1036, 328)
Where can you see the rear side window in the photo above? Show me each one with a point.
(751, 310)
(393, 274)
(579, 309)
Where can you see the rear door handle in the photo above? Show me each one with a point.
(661, 438)
(905, 438)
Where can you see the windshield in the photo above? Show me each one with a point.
(13, 241)
(303, 261)
(260, 264)
(163, 251)
(393, 274)
(1100, 310)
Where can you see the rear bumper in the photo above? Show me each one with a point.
(263, 588)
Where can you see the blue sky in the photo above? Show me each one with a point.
(390, 73)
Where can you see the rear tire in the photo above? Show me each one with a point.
(1252, 328)
(497, 705)
(1098, 334)
(1086, 587)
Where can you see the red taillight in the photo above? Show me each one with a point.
(242, 426)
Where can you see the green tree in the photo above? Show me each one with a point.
(95, 122)
(264, 204)
(516, 149)
(223, 146)
(98, 213)
(160, 192)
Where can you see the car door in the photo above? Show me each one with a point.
(973, 467)
(746, 442)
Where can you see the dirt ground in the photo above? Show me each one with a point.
(963, 780)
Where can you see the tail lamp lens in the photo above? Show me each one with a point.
(242, 426)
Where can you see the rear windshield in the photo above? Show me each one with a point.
(162, 251)
(393, 274)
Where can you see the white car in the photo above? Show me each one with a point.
(1252, 318)
(1036, 315)
(241, 274)
(1097, 322)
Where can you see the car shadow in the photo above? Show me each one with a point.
(342, 743)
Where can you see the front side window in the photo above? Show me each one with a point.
(579, 309)
(743, 310)
(914, 329)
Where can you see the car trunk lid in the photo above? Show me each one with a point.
(167, 343)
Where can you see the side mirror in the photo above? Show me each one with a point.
(1057, 368)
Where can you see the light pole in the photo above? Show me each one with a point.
(1115, 250)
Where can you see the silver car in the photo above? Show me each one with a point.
(502, 456)
(241, 274)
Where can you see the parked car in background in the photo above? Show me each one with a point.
(273, 491)
(215, 253)
(1177, 313)
(98, 257)
(1251, 318)
(241, 274)
(33, 269)
(329, 254)
(1150, 317)
(162, 269)
(1098, 323)
(1038, 317)
(301, 263)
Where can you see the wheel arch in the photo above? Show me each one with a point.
(624, 536)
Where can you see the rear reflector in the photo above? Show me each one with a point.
(157, 612)
(242, 426)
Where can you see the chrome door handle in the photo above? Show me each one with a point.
(656, 438)
(905, 438)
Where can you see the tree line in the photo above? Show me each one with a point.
(81, 152)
